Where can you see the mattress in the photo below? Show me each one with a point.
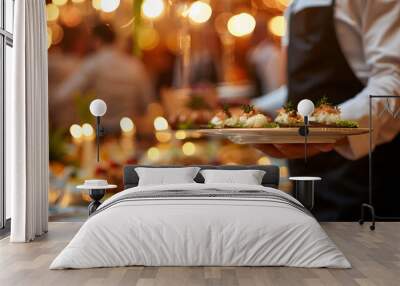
(201, 225)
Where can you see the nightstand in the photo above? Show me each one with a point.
(97, 190)
(304, 190)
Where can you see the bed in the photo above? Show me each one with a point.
(198, 224)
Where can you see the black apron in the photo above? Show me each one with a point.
(317, 67)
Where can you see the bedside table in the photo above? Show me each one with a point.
(304, 190)
(96, 193)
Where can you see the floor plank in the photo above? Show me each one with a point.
(375, 257)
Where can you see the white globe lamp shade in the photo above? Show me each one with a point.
(305, 107)
(98, 107)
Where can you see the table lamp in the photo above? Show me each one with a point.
(98, 108)
(305, 108)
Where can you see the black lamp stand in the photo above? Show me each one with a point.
(304, 131)
(99, 133)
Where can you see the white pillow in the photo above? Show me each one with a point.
(248, 177)
(164, 176)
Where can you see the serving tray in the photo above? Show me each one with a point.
(289, 135)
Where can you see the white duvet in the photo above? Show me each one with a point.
(203, 231)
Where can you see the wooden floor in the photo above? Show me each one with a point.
(375, 257)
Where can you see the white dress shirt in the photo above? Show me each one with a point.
(369, 35)
(267, 60)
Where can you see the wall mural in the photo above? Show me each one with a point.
(160, 66)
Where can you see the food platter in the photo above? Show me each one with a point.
(289, 135)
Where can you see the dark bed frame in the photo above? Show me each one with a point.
(270, 179)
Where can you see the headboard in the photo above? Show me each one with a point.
(270, 179)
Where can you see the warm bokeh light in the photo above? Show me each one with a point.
(60, 2)
(160, 123)
(163, 137)
(264, 161)
(76, 131)
(52, 12)
(180, 134)
(96, 4)
(49, 37)
(182, 9)
(109, 6)
(153, 8)
(277, 26)
(87, 130)
(126, 125)
(57, 34)
(285, 3)
(71, 16)
(283, 171)
(241, 24)
(199, 12)
(153, 153)
(78, 1)
(148, 38)
(189, 148)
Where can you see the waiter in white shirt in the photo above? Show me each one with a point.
(347, 50)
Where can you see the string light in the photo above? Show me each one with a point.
(180, 135)
(126, 125)
(49, 37)
(277, 26)
(52, 12)
(188, 149)
(71, 16)
(153, 153)
(241, 24)
(76, 131)
(264, 161)
(153, 8)
(87, 130)
(57, 34)
(283, 171)
(285, 3)
(109, 6)
(96, 4)
(148, 38)
(160, 123)
(163, 137)
(60, 2)
(199, 12)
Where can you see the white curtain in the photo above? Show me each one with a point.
(27, 124)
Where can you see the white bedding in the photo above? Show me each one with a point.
(183, 231)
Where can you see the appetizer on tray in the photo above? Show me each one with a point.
(324, 115)
(247, 117)
(249, 126)
(288, 116)
(195, 114)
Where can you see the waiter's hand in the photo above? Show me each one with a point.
(293, 151)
